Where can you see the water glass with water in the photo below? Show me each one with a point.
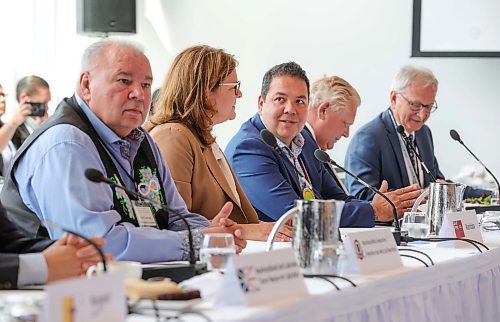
(216, 250)
(416, 223)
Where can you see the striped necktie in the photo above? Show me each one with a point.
(411, 148)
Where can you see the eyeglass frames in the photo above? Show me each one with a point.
(419, 106)
(236, 86)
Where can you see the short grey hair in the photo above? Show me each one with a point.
(409, 74)
(335, 90)
(94, 50)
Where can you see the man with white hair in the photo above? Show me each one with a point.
(378, 152)
(100, 127)
(332, 109)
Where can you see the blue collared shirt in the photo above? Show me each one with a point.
(293, 153)
(53, 185)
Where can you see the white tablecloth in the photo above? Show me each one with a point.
(463, 286)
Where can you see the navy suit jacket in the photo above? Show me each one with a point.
(374, 154)
(327, 167)
(12, 243)
(272, 184)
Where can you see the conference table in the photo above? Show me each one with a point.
(463, 285)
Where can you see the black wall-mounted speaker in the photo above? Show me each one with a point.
(96, 17)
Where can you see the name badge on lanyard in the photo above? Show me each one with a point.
(144, 214)
(307, 194)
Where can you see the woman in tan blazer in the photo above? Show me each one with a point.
(200, 91)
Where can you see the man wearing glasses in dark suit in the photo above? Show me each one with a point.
(378, 152)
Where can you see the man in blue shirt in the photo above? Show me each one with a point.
(99, 127)
(270, 182)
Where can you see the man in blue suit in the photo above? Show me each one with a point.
(377, 152)
(272, 183)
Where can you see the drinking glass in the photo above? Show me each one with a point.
(416, 223)
(495, 198)
(216, 250)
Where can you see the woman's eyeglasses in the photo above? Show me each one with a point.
(236, 86)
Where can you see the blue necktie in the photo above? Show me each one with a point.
(124, 148)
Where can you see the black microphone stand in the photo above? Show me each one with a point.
(325, 158)
(455, 136)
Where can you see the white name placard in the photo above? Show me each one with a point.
(371, 251)
(461, 224)
(260, 278)
(100, 298)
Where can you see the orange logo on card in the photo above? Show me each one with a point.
(68, 309)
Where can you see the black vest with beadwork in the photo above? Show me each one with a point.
(146, 174)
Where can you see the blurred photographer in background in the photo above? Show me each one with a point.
(8, 130)
(33, 95)
(34, 90)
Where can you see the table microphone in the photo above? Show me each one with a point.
(270, 140)
(455, 136)
(325, 158)
(401, 130)
(95, 175)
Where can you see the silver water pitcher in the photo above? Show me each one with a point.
(315, 234)
(443, 198)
